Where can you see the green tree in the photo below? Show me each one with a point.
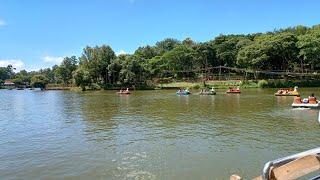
(39, 81)
(166, 45)
(309, 45)
(82, 78)
(181, 60)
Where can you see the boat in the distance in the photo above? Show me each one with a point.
(183, 92)
(207, 92)
(310, 102)
(124, 91)
(287, 92)
(291, 167)
(233, 90)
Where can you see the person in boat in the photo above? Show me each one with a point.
(312, 99)
(212, 89)
(120, 91)
(127, 90)
(297, 99)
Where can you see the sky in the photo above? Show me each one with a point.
(37, 34)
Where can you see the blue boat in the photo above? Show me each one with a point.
(183, 92)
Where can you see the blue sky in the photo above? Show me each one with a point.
(39, 33)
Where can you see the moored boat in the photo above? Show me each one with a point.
(287, 92)
(233, 90)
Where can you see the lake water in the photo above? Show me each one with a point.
(148, 134)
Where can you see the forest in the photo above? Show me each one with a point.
(294, 49)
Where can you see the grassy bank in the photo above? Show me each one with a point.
(242, 84)
(209, 84)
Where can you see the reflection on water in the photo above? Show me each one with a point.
(149, 134)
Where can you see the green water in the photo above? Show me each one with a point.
(149, 134)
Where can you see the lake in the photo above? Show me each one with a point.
(148, 134)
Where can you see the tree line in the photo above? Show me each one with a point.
(291, 49)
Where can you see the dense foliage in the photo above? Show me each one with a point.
(292, 49)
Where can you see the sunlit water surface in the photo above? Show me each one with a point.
(149, 134)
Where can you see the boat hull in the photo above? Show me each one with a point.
(123, 92)
(233, 92)
(183, 93)
(306, 105)
(276, 94)
(207, 93)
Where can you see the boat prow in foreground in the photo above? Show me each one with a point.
(290, 167)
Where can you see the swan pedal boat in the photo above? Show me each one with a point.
(290, 93)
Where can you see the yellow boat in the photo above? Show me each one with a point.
(287, 92)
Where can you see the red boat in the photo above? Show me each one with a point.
(234, 90)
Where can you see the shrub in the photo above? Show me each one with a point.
(263, 84)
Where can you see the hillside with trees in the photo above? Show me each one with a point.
(294, 49)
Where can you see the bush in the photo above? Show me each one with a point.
(263, 84)
(197, 86)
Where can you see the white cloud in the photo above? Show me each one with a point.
(2, 23)
(17, 64)
(121, 52)
(52, 59)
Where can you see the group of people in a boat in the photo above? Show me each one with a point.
(310, 100)
(283, 91)
(288, 91)
(206, 90)
(183, 90)
(124, 91)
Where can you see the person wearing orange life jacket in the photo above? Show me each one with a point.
(312, 99)
(297, 100)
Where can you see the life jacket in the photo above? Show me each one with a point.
(297, 100)
(312, 100)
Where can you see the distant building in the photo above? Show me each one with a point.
(8, 83)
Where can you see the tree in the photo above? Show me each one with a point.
(66, 68)
(181, 60)
(39, 81)
(82, 78)
(309, 45)
(6, 72)
(166, 45)
(145, 53)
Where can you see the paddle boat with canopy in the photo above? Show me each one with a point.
(233, 90)
(287, 92)
(207, 92)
